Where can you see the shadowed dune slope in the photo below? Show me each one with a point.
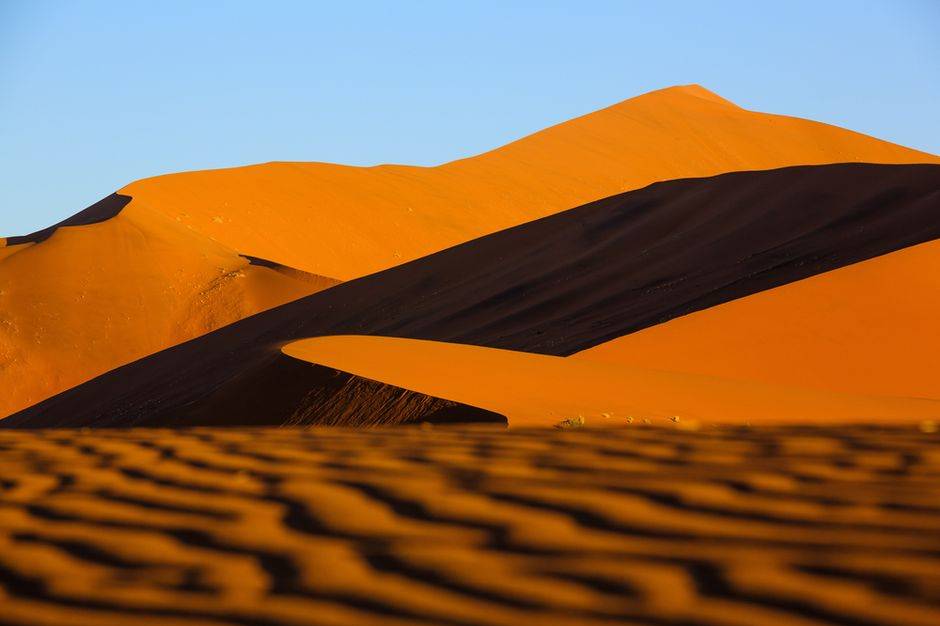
(534, 390)
(554, 286)
(866, 328)
(82, 298)
(335, 220)
(104, 209)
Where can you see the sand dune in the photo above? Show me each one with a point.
(535, 390)
(867, 328)
(333, 222)
(79, 300)
(554, 286)
(285, 527)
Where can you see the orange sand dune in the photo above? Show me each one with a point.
(540, 390)
(108, 293)
(338, 221)
(92, 297)
(870, 327)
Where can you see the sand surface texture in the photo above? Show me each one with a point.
(799, 526)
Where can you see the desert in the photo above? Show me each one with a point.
(469, 314)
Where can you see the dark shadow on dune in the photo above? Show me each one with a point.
(323, 282)
(350, 400)
(256, 260)
(556, 285)
(291, 392)
(100, 211)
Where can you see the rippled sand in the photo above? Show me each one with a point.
(745, 526)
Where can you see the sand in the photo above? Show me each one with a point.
(866, 328)
(555, 286)
(728, 527)
(116, 283)
(535, 390)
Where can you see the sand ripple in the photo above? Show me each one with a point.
(471, 526)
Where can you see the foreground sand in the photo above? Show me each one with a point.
(797, 525)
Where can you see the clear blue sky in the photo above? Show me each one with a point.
(94, 95)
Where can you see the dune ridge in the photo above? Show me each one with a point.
(554, 286)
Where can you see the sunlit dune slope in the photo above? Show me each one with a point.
(338, 221)
(871, 327)
(540, 390)
(85, 299)
(556, 286)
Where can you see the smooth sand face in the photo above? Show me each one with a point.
(92, 297)
(538, 390)
(336, 220)
(867, 328)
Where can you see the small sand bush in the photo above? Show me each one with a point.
(571, 422)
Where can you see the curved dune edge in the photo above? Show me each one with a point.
(334, 220)
(538, 390)
(867, 328)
